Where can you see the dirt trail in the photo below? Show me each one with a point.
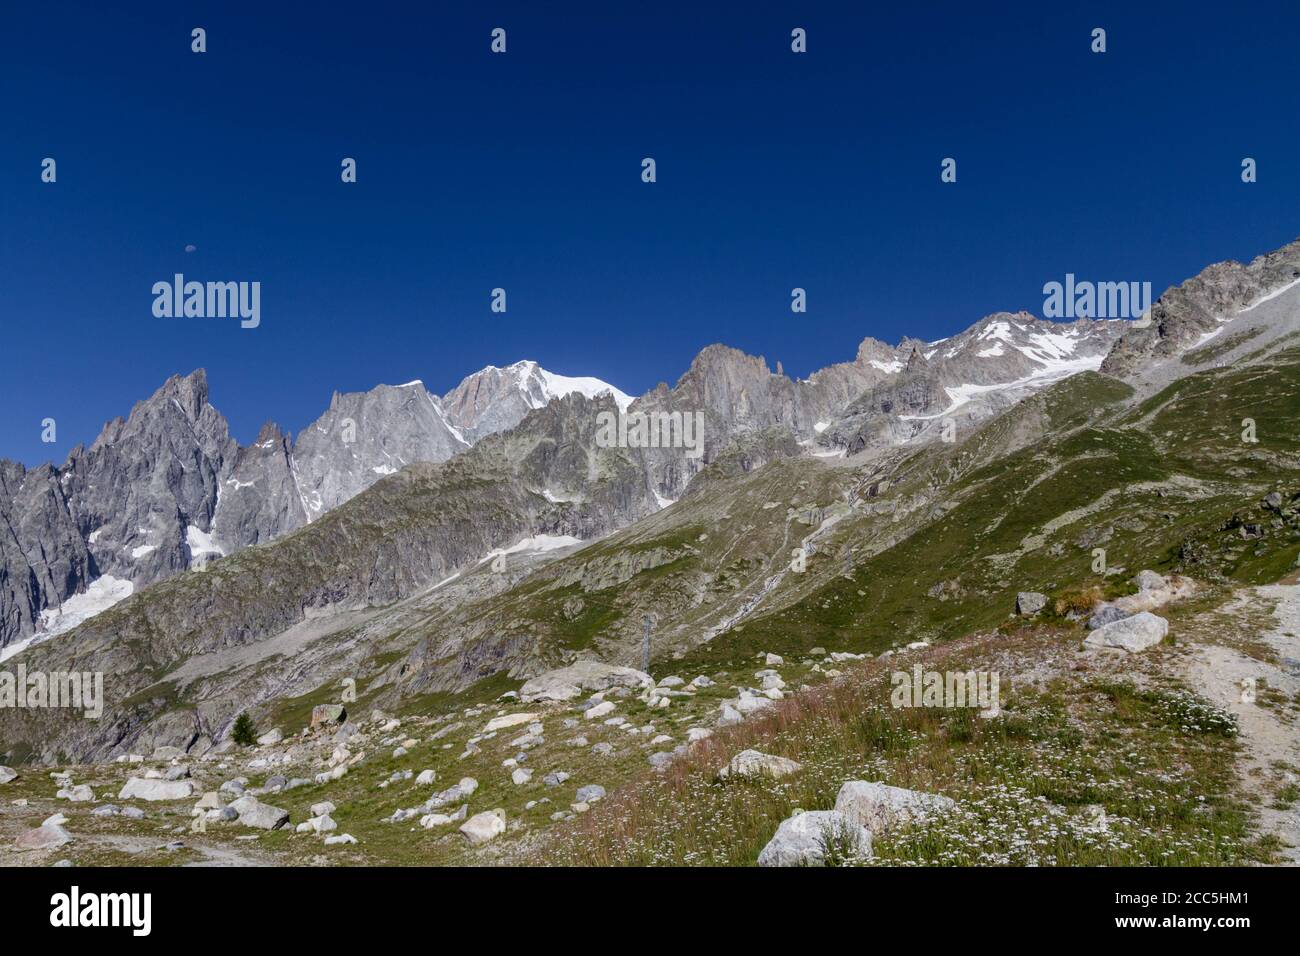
(1224, 676)
(212, 855)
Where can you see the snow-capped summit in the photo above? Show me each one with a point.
(494, 399)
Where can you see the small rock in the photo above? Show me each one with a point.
(1029, 603)
(323, 714)
(1149, 581)
(600, 710)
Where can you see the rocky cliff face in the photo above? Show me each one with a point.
(1189, 314)
(167, 489)
(365, 436)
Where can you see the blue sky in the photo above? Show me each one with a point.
(522, 171)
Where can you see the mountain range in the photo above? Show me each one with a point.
(364, 545)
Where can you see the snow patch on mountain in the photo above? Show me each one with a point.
(201, 543)
(102, 594)
(557, 386)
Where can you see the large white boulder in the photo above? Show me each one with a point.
(508, 720)
(1132, 634)
(141, 788)
(803, 839)
(754, 763)
(46, 837)
(483, 827)
(253, 813)
(880, 807)
(569, 682)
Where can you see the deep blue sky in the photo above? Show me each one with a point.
(523, 171)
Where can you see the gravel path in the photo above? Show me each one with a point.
(1221, 674)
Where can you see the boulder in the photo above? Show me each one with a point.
(1106, 614)
(253, 813)
(483, 827)
(139, 788)
(461, 791)
(802, 840)
(322, 809)
(46, 837)
(508, 720)
(569, 682)
(661, 759)
(1149, 581)
(8, 774)
(600, 710)
(321, 824)
(1029, 603)
(1132, 634)
(590, 793)
(879, 807)
(78, 794)
(271, 737)
(753, 763)
(323, 714)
